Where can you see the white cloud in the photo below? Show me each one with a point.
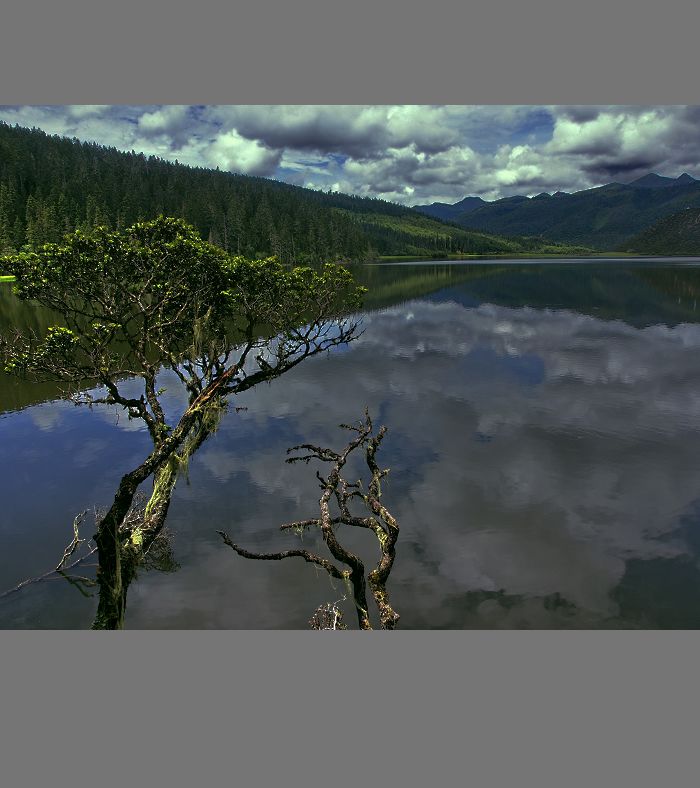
(231, 151)
(86, 110)
(171, 122)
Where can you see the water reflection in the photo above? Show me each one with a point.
(543, 444)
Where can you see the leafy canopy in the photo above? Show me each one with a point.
(155, 296)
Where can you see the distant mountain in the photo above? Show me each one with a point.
(602, 218)
(654, 181)
(676, 234)
(448, 213)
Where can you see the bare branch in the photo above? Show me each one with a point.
(305, 554)
(75, 543)
(336, 488)
(50, 574)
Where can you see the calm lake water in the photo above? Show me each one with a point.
(544, 446)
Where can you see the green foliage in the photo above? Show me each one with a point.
(59, 343)
(155, 294)
(677, 234)
(122, 295)
(412, 233)
(50, 186)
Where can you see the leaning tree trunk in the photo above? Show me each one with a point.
(121, 548)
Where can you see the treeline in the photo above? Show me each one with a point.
(52, 185)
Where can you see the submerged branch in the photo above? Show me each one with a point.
(382, 524)
(305, 554)
(62, 568)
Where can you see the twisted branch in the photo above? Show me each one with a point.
(380, 522)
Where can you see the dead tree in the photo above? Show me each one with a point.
(343, 493)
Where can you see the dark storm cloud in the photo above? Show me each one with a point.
(328, 132)
(360, 132)
(690, 114)
(603, 169)
(579, 114)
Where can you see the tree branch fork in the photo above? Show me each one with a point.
(336, 490)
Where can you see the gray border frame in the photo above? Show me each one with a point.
(487, 709)
(313, 51)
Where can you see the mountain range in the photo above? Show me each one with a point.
(604, 218)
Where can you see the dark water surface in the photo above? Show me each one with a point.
(544, 425)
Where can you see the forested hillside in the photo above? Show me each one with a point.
(602, 218)
(51, 185)
(677, 234)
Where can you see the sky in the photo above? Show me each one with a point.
(402, 153)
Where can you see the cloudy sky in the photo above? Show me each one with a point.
(409, 154)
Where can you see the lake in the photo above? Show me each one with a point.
(543, 438)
